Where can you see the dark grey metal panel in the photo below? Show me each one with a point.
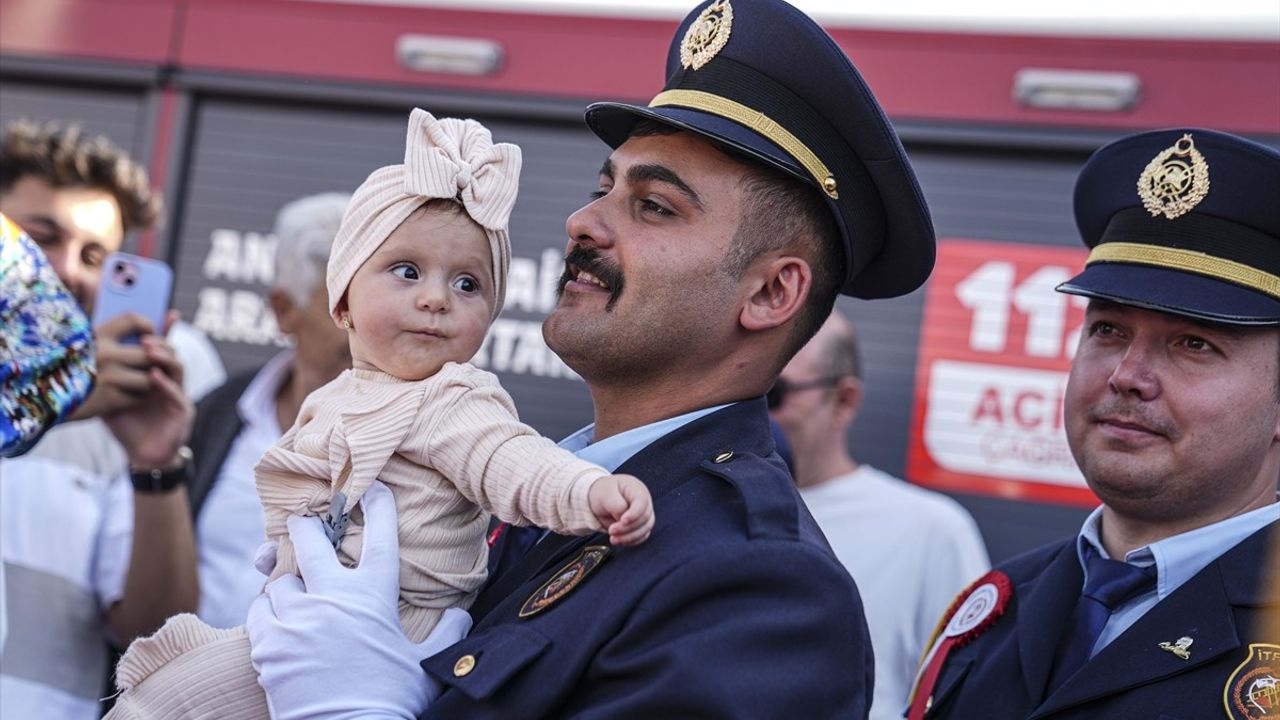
(116, 112)
(250, 157)
(980, 193)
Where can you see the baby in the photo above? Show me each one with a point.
(416, 275)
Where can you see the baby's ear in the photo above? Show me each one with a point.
(341, 311)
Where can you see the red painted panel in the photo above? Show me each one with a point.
(1227, 85)
(161, 147)
(949, 77)
(544, 55)
(121, 30)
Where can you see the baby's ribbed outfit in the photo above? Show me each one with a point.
(451, 449)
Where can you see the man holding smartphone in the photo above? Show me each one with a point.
(79, 547)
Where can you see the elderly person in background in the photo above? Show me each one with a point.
(237, 422)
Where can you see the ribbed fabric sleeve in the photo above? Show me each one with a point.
(189, 670)
(451, 449)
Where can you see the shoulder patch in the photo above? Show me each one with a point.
(1252, 692)
(565, 579)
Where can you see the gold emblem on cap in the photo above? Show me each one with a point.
(1175, 181)
(707, 35)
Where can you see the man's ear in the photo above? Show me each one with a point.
(285, 310)
(779, 288)
(848, 397)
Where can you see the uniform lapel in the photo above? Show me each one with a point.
(1050, 600)
(1201, 609)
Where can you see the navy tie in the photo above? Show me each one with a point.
(1108, 585)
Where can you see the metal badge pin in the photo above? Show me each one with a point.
(335, 521)
(1179, 647)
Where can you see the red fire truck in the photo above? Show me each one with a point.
(239, 106)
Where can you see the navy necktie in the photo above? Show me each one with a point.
(1108, 585)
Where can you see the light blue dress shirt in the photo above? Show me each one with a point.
(611, 452)
(1177, 560)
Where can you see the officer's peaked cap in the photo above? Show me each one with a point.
(1185, 221)
(762, 79)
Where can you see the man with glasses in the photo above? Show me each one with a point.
(910, 550)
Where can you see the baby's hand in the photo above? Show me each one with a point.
(623, 506)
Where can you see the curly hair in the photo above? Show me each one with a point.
(64, 156)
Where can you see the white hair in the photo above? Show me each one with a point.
(305, 229)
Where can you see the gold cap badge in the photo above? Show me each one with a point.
(1175, 181)
(707, 35)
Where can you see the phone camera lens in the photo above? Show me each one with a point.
(128, 281)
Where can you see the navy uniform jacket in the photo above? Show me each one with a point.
(1002, 674)
(734, 608)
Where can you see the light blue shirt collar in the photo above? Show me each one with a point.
(611, 452)
(1177, 560)
(1180, 557)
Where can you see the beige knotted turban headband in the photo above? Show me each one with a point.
(449, 158)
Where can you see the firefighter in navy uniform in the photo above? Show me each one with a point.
(760, 183)
(1159, 608)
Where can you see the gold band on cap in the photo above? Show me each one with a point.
(1188, 260)
(757, 121)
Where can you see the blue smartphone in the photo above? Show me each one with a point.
(131, 283)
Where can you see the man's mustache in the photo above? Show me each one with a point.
(590, 260)
(1120, 410)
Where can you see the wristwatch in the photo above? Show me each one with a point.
(160, 480)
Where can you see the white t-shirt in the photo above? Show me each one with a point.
(66, 531)
(65, 541)
(910, 551)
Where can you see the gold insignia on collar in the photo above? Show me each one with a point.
(1175, 181)
(1179, 647)
(707, 35)
(565, 579)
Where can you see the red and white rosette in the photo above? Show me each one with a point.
(973, 611)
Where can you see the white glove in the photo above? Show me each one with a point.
(334, 650)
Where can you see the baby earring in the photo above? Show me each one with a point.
(346, 321)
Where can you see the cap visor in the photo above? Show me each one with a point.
(613, 122)
(1176, 292)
